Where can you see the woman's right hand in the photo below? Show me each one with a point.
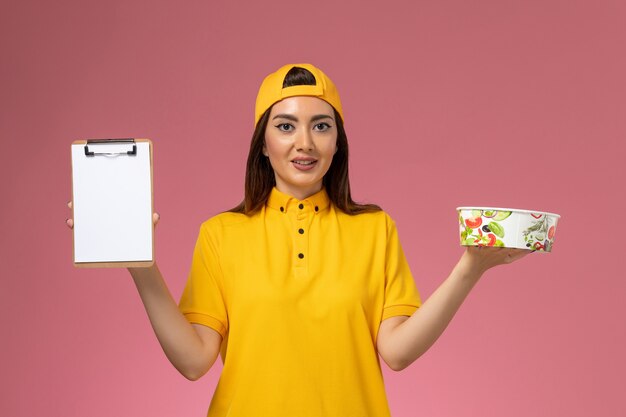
(70, 222)
(192, 348)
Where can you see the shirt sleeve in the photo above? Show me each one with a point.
(203, 300)
(401, 295)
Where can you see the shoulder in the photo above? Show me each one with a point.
(378, 220)
(217, 231)
(225, 219)
(223, 222)
(378, 216)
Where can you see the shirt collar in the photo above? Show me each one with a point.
(284, 202)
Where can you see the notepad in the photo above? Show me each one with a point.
(112, 203)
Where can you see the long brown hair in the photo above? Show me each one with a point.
(260, 178)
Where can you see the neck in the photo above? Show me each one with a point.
(300, 193)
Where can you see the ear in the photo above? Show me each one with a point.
(265, 150)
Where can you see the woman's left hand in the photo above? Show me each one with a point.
(400, 342)
(482, 258)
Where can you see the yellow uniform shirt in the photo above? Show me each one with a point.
(298, 291)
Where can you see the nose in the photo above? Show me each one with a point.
(304, 141)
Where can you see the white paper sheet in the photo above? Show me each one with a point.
(112, 198)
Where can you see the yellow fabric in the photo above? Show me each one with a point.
(272, 91)
(299, 331)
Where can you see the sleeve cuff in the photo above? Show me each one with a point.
(399, 310)
(208, 321)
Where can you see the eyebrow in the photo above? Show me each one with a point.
(295, 119)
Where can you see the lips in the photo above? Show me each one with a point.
(304, 164)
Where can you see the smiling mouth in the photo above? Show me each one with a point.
(303, 162)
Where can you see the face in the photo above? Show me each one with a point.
(300, 141)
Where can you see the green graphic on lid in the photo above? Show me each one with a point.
(476, 232)
(540, 235)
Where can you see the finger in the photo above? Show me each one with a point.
(155, 218)
(70, 223)
(69, 204)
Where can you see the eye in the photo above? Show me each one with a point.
(321, 126)
(285, 127)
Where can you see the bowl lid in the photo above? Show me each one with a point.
(508, 209)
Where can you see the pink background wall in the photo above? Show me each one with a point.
(448, 103)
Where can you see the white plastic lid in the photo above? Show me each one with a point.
(509, 209)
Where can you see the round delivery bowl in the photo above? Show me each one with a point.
(506, 227)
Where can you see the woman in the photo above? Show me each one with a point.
(299, 287)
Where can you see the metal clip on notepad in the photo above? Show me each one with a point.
(129, 141)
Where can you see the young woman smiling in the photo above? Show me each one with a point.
(298, 287)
